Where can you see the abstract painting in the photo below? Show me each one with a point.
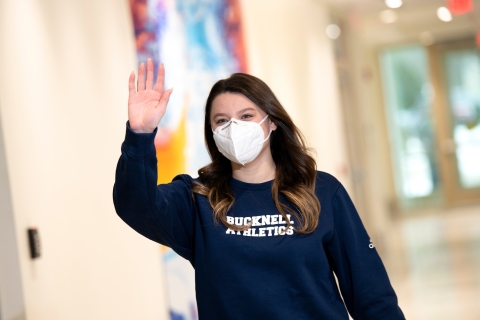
(199, 42)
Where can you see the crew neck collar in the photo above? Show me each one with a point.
(251, 186)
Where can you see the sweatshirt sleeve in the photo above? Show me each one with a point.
(163, 213)
(363, 280)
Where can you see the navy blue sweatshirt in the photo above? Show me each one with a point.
(266, 272)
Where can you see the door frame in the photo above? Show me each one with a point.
(454, 194)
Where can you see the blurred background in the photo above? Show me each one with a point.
(386, 91)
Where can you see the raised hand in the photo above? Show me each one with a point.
(147, 104)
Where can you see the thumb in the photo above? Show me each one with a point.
(165, 97)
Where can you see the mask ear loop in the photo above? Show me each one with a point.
(268, 133)
(267, 136)
(263, 119)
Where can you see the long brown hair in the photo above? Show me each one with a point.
(295, 171)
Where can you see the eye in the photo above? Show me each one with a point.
(246, 116)
(219, 121)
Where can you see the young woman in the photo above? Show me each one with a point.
(264, 231)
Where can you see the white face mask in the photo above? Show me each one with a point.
(240, 141)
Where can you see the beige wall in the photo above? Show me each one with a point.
(64, 68)
(288, 48)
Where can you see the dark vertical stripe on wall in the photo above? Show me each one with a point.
(12, 304)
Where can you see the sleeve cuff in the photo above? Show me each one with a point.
(138, 144)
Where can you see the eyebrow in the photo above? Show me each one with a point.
(239, 112)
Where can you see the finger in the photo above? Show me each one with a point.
(149, 82)
(131, 84)
(165, 97)
(159, 86)
(141, 77)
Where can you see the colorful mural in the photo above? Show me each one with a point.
(199, 42)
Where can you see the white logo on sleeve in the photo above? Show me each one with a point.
(371, 245)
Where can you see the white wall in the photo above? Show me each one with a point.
(288, 48)
(63, 89)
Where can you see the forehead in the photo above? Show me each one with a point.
(230, 103)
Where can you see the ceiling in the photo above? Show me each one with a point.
(378, 5)
(414, 18)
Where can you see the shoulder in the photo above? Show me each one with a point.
(326, 185)
(184, 180)
(326, 180)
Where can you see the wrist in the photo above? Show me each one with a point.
(142, 131)
(138, 145)
(139, 130)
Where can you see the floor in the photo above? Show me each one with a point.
(441, 274)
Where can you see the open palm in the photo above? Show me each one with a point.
(148, 102)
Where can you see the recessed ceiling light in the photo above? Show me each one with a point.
(333, 31)
(393, 3)
(388, 16)
(444, 14)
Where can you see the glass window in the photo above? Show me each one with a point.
(408, 97)
(463, 83)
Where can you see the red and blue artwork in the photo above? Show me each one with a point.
(199, 42)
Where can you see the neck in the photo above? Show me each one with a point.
(260, 170)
